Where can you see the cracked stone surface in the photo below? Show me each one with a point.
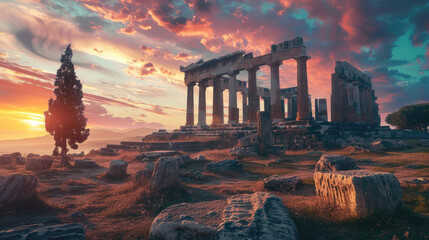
(359, 191)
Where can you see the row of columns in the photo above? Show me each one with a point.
(250, 110)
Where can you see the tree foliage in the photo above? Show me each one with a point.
(410, 117)
(64, 118)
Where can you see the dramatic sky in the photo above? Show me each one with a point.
(127, 53)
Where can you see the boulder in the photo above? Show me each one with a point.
(247, 216)
(201, 158)
(41, 232)
(424, 142)
(86, 163)
(6, 159)
(360, 192)
(386, 145)
(183, 160)
(77, 217)
(244, 152)
(165, 174)
(143, 176)
(117, 169)
(282, 183)
(224, 166)
(20, 160)
(331, 162)
(195, 174)
(38, 163)
(17, 188)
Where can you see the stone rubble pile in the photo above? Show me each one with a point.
(282, 183)
(225, 166)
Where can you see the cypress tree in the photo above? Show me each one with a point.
(64, 119)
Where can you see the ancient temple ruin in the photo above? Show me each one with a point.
(352, 99)
(221, 73)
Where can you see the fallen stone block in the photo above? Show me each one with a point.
(360, 192)
(143, 176)
(20, 160)
(6, 159)
(282, 183)
(224, 166)
(39, 163)
(117, 169)
(165, 174)
(86, 163)
(331, 162)
(17, 188)
(247, 216)
(41, 232)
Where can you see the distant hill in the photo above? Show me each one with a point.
(98, 138)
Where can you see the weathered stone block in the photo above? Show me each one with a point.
(85, 163)
(246, 216)
(17, 188)
(117, 169)
(331, 162)
(6, 159)
(165, 174)
(39, 163)
(224, 166)
(282, 183)
(360, 192)
(41, 232)
(143, 176)
(20, 160)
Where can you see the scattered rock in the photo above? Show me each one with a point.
(359, 191)
(117, 169)
(331, 162)
(246, 216)
(17, 188)
(195, 174)
(77, 217)
(143, 176)
(165, 174)
(419, 181)
(244, 152)
(38, 163)
(201, 158)
(282, 183)
(20, 160)
(6, 159)
(86, 163)
(224, 166)
(424, 142)
(183, 160)
(41, 232)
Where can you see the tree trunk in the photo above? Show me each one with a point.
(64, 159)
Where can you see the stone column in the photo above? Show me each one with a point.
(282, 104)
(303, 104)
(190, 105)
(244, 95)
(265, 132)
(267, 104)
(217, 102)
(253, 96)
(232, 106)
(222, 113)
(356, 101)
(202, 103)
(275, 108)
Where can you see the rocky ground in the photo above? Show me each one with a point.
(110, 208)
